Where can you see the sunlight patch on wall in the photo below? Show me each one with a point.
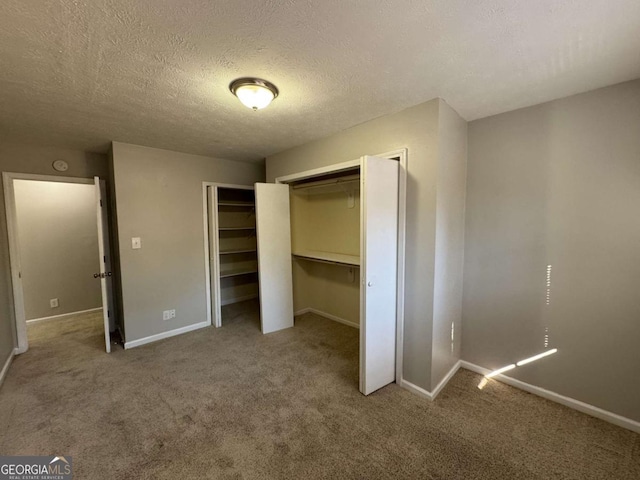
(453, 336)
(548, 303)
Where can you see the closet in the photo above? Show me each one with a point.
(232, 246)
(329, 238)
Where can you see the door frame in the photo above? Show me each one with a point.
(400, 155)
(14, 245)
(212, 319)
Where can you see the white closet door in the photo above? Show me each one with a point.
(273, 229)
(379, 248)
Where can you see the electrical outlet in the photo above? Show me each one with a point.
(54, 303)
(168, 314)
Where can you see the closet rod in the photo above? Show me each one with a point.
(324, 183)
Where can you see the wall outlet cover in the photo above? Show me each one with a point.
(168, 314)
(136, 243)
(54, 303)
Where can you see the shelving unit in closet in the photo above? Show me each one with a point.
(232, 246)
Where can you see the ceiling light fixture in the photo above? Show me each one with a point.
(254, 92)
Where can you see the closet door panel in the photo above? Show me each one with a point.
(379, 249)
(273, 228)
(214, 244)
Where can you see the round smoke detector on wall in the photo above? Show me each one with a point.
(60, 166)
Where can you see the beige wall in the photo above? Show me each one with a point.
(450, 207)
(321, 220)
(58, 240)
(558, 184)
(158, 197)
(416, 129)
(30, 159)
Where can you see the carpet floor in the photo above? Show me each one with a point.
(232, 403)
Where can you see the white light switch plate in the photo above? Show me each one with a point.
(136, 243)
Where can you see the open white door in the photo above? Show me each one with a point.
(378, 269)
(214, 255)
(106, 282)
(273, 229)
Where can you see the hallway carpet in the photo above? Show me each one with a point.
(231, 403)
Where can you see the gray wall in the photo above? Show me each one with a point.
(558, 184)
(418, 129)
(450, 207)
(158, 197)
(58, 241)
(29, 159)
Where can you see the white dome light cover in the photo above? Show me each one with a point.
(254, 92)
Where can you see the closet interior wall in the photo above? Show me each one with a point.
(325, 223)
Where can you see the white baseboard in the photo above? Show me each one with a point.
(327, 315)
(5, 368)
(415, 389)
(561, 399)
(426, 394)
(163, 335)
(63, 315)
(238, 299)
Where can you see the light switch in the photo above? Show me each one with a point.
(136, 243)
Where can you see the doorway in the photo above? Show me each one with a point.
(60, 258)
(231, 252)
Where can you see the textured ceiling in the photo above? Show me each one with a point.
(78, 74)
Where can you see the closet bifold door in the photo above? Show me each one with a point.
(378, 270)
(273, 229)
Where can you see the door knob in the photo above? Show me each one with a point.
(369, 284)
(96, 275)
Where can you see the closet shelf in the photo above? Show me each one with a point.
(328, 257)
(230, 229)
(238, 271)
(238, 250)
(237, 204)
(323, 184)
